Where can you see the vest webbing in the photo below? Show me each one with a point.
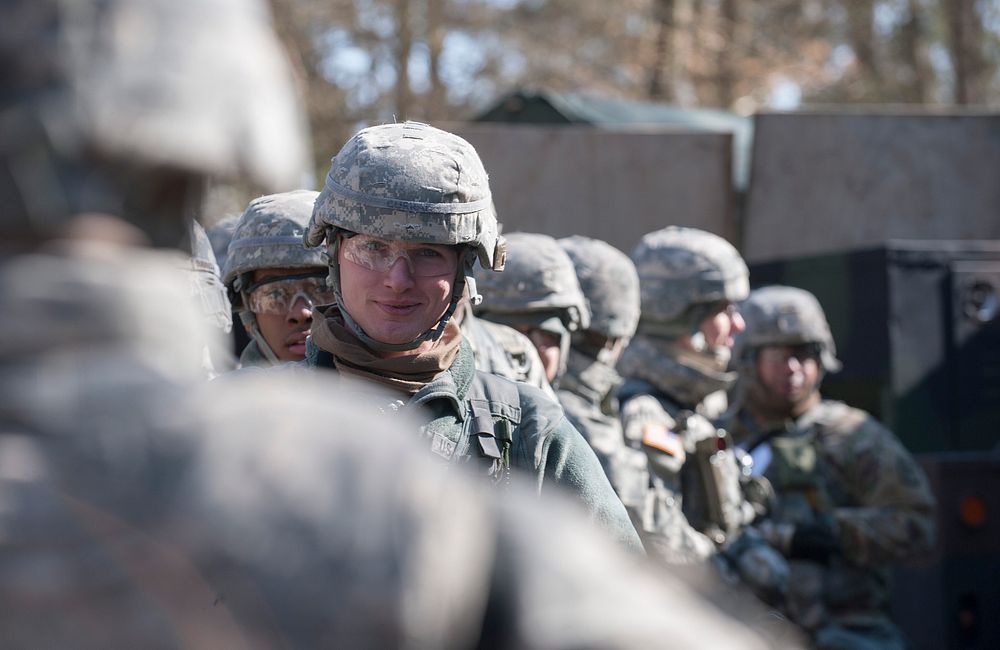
(494, 411)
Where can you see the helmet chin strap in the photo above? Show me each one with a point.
(250, 325)
(462, 276)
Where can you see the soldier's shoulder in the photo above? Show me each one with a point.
(841, 421)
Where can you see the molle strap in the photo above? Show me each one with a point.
(494, 410)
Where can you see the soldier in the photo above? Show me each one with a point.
(146, 508)
(849, 501)
(502, 350)
(538, 295)
(404, 214)
(675, 370)
(274, 281)
(588, 390)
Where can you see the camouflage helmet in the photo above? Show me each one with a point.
(538, 282)
(779, 315)
(269, 235)
(95, 88)
(609, 282)
(409, 182)
(684, 273)
(220, 234)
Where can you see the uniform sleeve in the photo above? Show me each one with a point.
(559, 456)
(893, 518)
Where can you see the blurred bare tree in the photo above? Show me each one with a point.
(369, 61)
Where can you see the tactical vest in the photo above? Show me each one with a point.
(794, 476)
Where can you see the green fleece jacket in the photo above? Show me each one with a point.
(544, 445)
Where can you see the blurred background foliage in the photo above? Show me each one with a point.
(368, 61)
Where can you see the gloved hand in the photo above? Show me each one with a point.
(815, 541)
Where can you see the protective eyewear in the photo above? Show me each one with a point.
(277, 295)
(423, 260)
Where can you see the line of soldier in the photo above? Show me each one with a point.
(288, 503)
(806, 500)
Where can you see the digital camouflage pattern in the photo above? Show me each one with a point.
(220, 234)
(409, 182)
(587, 395)
(684, 272)
(269, 235)
(610, 283)
(837, 465)
(137, 83)
(780, 315)
(672, 392)
(538, 282)
(206, 281)
(154, 510)
(503, 351)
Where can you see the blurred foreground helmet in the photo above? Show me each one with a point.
(609, 283)
(102, 96)
(206, 284)
(685, 274)
(779, 316)
(538, 283)
(409, 182)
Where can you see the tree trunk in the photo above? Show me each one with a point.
(861, 30)
(663, 17)
(729, 19)
(435, 44)
(913, 34)
(404, 45)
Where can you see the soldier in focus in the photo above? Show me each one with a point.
(538, 295)
(146, 508)
(404, 215)
(850, 500)
(588, 390)
(675, 382)
(274, 281)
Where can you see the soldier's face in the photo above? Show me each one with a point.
(789, 372)
(547, 345)
(285, 329)
(720, 328)
(395, 301)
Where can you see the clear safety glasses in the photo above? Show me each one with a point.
(277, 295)
(424, 260)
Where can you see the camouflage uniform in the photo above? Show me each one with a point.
(842, 481)
(503, 351)
(146, 508)
(538, 288)
(399, 182)
(671, 393)
(268, 235)
(588, 390)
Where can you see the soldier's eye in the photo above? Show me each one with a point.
(427, 252)
(373, 246)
